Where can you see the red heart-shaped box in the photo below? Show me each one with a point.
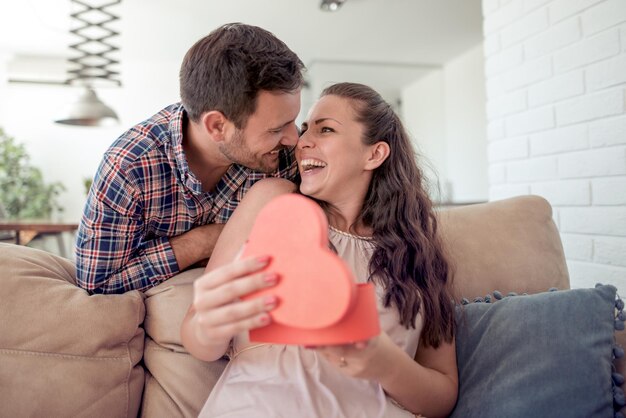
(319, 301)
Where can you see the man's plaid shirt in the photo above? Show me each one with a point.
(143, 193)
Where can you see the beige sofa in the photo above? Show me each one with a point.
(64, 353)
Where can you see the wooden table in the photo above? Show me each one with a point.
(27, 229)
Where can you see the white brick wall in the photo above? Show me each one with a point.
(610, 251)
(521, 29)
(561, 9)
(530, 121)
(533, 4)
(603, 220)
(556, 141)
(606, 74)
(509, 58)
(556, 108)
(583, 274)
(556, 89)
(507, 104)
(527, 73)
(497, 174)
(555, 37)
(508, 149)
(564, 193)
(604, 15)
(607, 132)
(535, 169)
(595, 163)
(603, 45)
(607, 191)
(590, 106)
(578, 247)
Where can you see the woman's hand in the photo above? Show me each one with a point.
(363, 359)
(218, 313)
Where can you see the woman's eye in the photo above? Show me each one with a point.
(326, 129)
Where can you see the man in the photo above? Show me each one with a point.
(165, 188)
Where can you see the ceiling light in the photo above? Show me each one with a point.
(331, 5)
(88, 110)
(93, 64)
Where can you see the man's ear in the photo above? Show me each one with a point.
(377, 155)
(215, 124)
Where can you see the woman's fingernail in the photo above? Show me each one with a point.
(269, 301)
(263, 259)
(265, 319)
(270, 278)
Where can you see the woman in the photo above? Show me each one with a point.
(356, 160)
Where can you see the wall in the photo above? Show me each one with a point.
(423, 113)
(70, 154)
(466, 133)
(445, 113)
(556, 109)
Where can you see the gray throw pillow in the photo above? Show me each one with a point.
(544, 355)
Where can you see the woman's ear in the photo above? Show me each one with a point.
(214, 123)
(378, 154)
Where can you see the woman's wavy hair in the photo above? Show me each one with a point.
(409, 258)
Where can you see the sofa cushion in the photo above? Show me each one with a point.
(509, 245)
(79, 354)
(543, 355)
(177, 384)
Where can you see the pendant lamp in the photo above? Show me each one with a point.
(93, 64)
(331, 5)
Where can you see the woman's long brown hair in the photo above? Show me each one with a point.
(409, 258)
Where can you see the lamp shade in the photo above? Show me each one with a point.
(331, 5)
(88, 110)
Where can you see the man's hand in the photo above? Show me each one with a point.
(196, 245)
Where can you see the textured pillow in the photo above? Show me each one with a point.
(64, 353)
(543, 355)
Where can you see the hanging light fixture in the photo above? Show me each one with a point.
(92, 64)
(331, 5)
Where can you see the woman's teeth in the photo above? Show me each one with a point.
(310, 164)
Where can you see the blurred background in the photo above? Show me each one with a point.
(501, 97)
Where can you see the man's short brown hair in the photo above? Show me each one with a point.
(226, 69)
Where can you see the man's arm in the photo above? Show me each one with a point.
(112, 254)
(195, 245)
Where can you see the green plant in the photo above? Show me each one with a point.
(23, 192)
(87, 182)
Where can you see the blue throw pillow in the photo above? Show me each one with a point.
(544, 355)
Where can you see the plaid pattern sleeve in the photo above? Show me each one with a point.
(144, 193)
(112, 256)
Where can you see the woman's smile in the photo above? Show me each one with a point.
(311, 166)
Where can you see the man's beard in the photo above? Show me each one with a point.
(237, 151)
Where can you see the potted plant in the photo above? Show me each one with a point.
(23, 192)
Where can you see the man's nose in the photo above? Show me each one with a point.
(291, 136)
